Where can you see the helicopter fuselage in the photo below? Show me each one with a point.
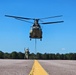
(36, 31)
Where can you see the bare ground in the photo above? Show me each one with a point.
(15, 67)
(59, 67)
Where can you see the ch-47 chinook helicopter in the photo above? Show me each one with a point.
(36, 30)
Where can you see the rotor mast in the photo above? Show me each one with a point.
(36, 21)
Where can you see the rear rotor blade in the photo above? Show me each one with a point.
(24, 20)
(16, 17)
(52, 17)
(52, 22)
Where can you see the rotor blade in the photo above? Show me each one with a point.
(52, 17)
(52, 22)
(16, 17)
(24, 20)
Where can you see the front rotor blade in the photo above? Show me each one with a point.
(16, 17)
(52, 22)
(52, 17)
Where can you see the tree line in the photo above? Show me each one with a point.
(45, 56)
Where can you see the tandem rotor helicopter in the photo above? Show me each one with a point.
(36, 30)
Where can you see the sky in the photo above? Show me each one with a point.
(57, 38)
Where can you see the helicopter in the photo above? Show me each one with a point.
(36, 30)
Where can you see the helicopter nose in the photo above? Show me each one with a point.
(31, 31)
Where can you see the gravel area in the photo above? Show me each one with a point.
(59, 67)
(15, 67)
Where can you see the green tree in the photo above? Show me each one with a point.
(57, 56)
(14, 55)
(74, 56)
(53, 56)
(32, 56)
(21, 55)
(45, 56)
(7, 55)
(1, 55)
(38, 55)
(62, 56)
